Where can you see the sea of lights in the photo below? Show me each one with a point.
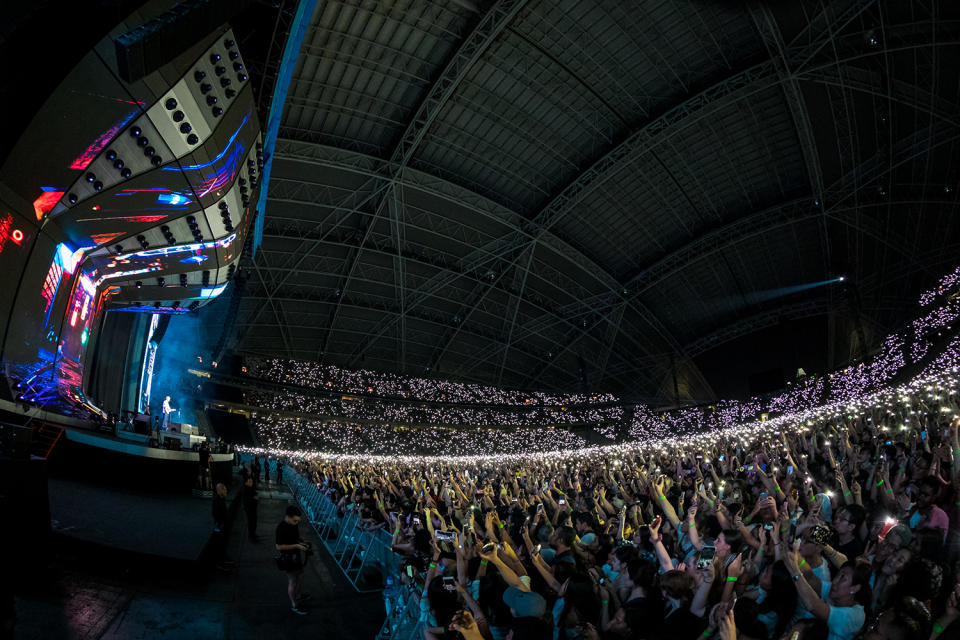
(817, 400)
(936, 387)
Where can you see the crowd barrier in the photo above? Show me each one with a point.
(358, 552)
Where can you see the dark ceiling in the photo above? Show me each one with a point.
(537, 194)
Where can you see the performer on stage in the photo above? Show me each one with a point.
(167, 410)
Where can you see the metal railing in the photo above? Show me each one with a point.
(354, 549)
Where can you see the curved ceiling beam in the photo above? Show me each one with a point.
(333, 158)
(742, 84)
(297, 228)
(371, 280)
(773, 40)
(838, 195)
(367, 303)
(820, 306)
(473, 46)
(506, 247)
(511, 246)
(758, 321)
(453, 74)
(552, 316)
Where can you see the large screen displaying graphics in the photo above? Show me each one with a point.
(122, 197)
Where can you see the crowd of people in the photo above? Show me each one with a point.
(432, 413)
(836, 517)
(312, 375)
(359, 398)
(337, 436)
(827, 529)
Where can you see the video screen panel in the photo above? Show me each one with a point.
(17, 236)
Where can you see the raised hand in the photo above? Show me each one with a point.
(735, 568)
(728, 627)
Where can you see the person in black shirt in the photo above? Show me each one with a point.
(256, 471)
(204, 471)
(291, 547)
(218, 542)
(266, 470)
(250, 501)
(846, 522)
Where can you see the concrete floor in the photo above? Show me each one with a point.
(91, 592)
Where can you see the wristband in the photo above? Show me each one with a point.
(802, 562)
(937, 628)
(605, 601)
(747, 521)
(732, 578)
(880, 483)
(483, 563)
(706, 633)
(397, 531)
(433, 565)
(759, 549)
(846, 494)
(662, 498)
(501, 526)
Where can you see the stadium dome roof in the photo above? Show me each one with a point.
(548, 195)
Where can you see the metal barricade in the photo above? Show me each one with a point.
(403, 617)
(353, 549)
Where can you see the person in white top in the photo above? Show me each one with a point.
(840, 602)
(167, 410)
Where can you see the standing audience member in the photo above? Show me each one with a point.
(250, 503)
(204, 471)
(218, 542)
(291, 547)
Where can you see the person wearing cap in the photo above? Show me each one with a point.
(527, 609)
(585, 522)
(897, 538)
(590, 541)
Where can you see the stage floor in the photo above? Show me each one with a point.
(96, 593)
(165, 525)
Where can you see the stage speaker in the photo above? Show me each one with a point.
(146, 48)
